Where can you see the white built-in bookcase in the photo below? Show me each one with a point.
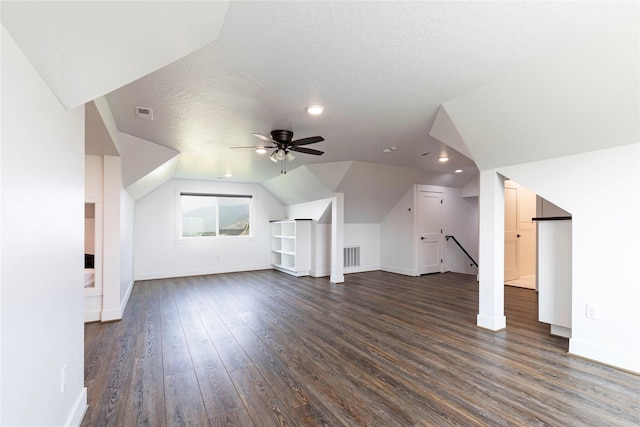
(291, 246)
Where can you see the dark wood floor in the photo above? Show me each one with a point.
(266, 349)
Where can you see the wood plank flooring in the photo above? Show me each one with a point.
(267, 349)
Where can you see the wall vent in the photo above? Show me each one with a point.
(144, 113)
(351, 256)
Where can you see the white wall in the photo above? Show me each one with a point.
(367, 236)
(459, 218)
(159, 252)
(396, 237)
(41, 279)
(601, 189)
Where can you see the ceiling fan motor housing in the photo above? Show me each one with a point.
(281, 135)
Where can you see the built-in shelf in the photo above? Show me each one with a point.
(291, 246)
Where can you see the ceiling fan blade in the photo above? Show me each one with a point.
(256, 146)
(264, 138)
(306, 141)
(306, 150)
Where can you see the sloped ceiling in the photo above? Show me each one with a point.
(370, 189)
(140, 157)
(145, 166)
(297, 186)
(97, 140)
(517, 81)
(84, 50)
(585, 100)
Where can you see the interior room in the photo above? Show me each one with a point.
(320, 213)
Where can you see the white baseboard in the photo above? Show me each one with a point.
(91, 316)
(111, 315)
(608, 356)
(127, 294)
(361, 269)
(79, 408)
(403, 271)
(320, 273)
(492, 323)
(92, 308)
(338, 278)
(202, 272)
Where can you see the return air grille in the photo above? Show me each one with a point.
(351, 256)
(144, 113)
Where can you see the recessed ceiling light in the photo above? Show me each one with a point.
(386, 150)
(458, 170)
(261, 150)
(315, 109)
(228, 175)
(443, 159)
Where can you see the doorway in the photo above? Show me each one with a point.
(519, 236)
(430, 228)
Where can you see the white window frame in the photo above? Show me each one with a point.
(179, 214)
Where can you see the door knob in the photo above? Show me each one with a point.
(517, 235)
(422, 238)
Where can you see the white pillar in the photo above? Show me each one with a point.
(337, 238)
(112, 184)
(491, 304)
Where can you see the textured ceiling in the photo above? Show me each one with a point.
(381, 69)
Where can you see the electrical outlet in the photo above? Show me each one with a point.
(63, 378)
(592, 312)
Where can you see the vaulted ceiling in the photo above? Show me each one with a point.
(215, 72)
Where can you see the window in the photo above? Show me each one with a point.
(205, 215)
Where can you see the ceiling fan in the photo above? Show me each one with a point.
(281, 140)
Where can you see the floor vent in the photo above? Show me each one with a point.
(351, 256)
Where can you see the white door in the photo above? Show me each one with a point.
(527, 232)
(430, 218)
(511, 268)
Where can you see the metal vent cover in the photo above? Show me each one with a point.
(144, 113)
(351, 256)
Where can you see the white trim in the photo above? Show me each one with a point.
(125, 300)
(79, 408)
(320, 273)
(560, 331)
(171, 274)
(361, 269)
(91, 316)
(492, 323)
(609, 356)
(403, 271)
(110, 315)
(338, 278)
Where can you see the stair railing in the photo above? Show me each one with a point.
(473, 262)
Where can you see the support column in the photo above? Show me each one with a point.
(112, 184)
(337, 238)
(491, 206)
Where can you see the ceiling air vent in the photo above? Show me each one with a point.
(144, 113)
